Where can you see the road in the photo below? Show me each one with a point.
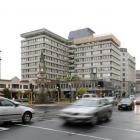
(124, 125)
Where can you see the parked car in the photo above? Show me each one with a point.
(137, 101)
(112, 100)
(126, 103)
(87, 95)
(13, 111)
(88, 110)
(132, 97)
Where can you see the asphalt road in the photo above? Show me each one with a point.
(124, 125)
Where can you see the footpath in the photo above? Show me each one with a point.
(56, 104)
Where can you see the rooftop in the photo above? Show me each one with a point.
(43, 31)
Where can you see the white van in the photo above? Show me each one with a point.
(89, 95)
(132, 97)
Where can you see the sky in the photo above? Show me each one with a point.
(119, 17)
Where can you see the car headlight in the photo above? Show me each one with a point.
(86, 114)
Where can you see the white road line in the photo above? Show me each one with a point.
(67, 132)
(123, 129)
(3, 129)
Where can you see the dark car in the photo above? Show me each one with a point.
(126, 104)
(137, 101)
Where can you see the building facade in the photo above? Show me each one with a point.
(91, 57)
(128, 72)
(15, 85)
(54, 49)
(97, 57)
(137, 81)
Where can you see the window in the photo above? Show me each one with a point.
(25, 86)
(123, 79)
(6, 103)
(2, 85)
(15, 86)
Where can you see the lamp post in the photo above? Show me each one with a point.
(31, 93)
(58, 89)
(93, 75)
(22, 94)
(71, 94)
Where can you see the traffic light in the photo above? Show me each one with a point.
(100, 84)
(31, 87)
(58, 86)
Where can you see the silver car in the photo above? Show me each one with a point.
(13, 111)
(89, 110)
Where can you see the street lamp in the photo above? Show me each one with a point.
(58, 90)
(71, 93)
(31, 93)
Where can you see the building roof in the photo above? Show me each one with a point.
(43, 31)
(95, 39)
(80, 33)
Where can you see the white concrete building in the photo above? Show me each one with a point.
(54, 49)
(138, 81)
(96, 56)
(128, 71)
(87, 55)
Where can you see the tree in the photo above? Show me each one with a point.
(6, 93)
(71, 77)
(81, 91)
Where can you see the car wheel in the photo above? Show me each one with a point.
(27, 117)
(108, 116)
(94, 119)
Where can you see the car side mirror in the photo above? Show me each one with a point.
(16, 105)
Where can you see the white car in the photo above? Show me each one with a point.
(132, 97)
(89, 110)
(89, 95)
(13, 111)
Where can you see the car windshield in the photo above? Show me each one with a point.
(86, 96)
(125, 101)
(86, 103)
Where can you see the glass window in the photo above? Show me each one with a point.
(6, 103)
(15, 86)
(2, 85)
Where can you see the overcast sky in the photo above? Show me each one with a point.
(119, 17)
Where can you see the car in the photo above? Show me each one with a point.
(132, 97)
(88, 95)
(112, 100)
(127, 104)
(137, 101)
(11, 110)
(87, 110)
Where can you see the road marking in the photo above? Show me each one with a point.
(131, 130)
(3, 129)
(67, 132)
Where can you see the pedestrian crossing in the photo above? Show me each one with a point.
(3, 129)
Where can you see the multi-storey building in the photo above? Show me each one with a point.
(89, 56)
(54, 49)
(96, 56)
(14, 85)
(128, 72)
(138, 81)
